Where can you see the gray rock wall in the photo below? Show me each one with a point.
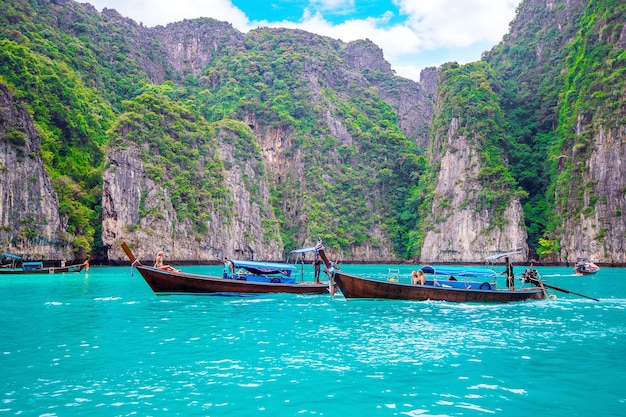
(30, 223)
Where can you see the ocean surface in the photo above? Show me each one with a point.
(101, 343)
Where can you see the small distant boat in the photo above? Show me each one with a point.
(34, 267)
(441, 284)
(258, 278)
(585, 267)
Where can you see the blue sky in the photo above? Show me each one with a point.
(413, 34)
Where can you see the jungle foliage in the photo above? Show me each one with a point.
(83, 78)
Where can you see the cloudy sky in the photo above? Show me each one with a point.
(413, 34)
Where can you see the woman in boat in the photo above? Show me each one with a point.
(159, 263)
(417, 277)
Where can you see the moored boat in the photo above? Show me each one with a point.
(455, 285)
(585, 267)
(259, 278)
(470, 286)
(36, 267)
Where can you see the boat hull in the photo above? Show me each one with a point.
(180, 282)
(359, 287)
(586, 270)
(59, 270)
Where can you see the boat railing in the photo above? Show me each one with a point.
(393, 274)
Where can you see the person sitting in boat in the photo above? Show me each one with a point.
(229, 268)
(159, 263)
(417, 277)
(530, 275)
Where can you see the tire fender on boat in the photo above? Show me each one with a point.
(485, 286)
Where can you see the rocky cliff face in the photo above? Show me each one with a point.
(30, 222)
(593, 157)
(600, 235)
(139, 211)
(189, 46)
(411, 101)
(458, 232)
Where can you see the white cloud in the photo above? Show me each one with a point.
(447, 23)
(162, 12)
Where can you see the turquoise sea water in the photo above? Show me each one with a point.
(102, 344)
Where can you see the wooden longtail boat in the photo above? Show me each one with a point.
(164, 281)
(454, 285)
(37, 268)
(353, 286)
(585, 267)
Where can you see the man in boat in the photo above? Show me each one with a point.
(229, 268)
(317, 264)
(510, 278)
(531, 275)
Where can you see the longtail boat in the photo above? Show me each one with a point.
(35, 267)
(261, 278)
(441, 284)
(585, 267)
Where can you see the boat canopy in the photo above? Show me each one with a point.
(501, 255)
(466, 273)
(303, 250)
(296, 256)
(11, 256)
(264, 268)
(32, 266)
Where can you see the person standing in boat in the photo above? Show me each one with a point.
(510, 278)
(317, 264)
(229, 268)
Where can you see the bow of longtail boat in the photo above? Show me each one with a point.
(353, 286)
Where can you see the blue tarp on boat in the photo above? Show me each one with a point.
(32, 266)
(264, 268)
(481, 274)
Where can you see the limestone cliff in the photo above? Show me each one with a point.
(140, 211)
(457, 230)
(590, 191)
(188, 47)
(599, 231)
(474, 209)
(411, 101)
(256, 143)
(30, 222)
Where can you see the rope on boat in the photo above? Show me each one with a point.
(132, 267)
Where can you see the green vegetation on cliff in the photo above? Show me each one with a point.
(344, 169)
